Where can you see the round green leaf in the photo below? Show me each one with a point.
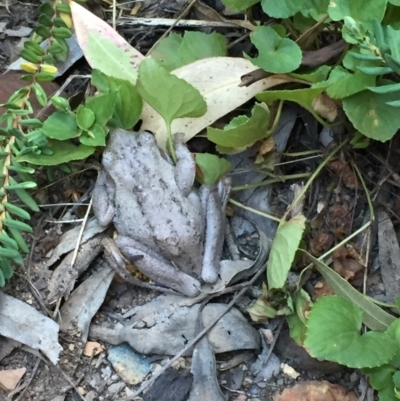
(333, 333)
(360, 10)
(370, 114)
(275, 54)
(282, 8)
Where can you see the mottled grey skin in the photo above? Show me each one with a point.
(157, 214)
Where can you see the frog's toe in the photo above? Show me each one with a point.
(209, 274)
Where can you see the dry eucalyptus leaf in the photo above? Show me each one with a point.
(25, 324)
(218, 80)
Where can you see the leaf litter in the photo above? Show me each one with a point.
(223, 95)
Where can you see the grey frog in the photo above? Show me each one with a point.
(173, 234)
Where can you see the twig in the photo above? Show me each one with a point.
(78, 242)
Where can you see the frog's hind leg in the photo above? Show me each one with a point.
(156, 267)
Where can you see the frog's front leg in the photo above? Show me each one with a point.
(102, 198)
(214, 199)
(156, 267)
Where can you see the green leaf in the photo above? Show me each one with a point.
(242, 131)
(6, 268)
(342, 83)
(84, 117)
(359, 10)
(31, 122)
(304, 97)
(284, 247)
(128, 104)
(393, 38)
(40, 94)
(275, 54)
(100, 81)
(369, 114)
(61, 126)
(380, 377)
(16, 210)
(333, 333)
(60, 103)
(95, 137)
(63, 152)
(2, 278)
(25, 197)
(9, 252)
(282, 8)
(156, 85)
(21, 185)
(175, 51)
(239, 5)
(62, 33)
(19, 225)
(212, 167)
(102, 106)
(16, 234)
(7, 241)
(374, 71)
(385, 88)
(374, 317)
(317, 75)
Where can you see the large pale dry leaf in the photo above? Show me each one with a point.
(25, 324)
(218, 80)
(103, 47)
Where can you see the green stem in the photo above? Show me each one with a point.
(263, 214)
(271, 181)
(312, 178)
(170, 143)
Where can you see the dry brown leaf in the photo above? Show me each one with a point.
(346, 262)
(316, 391)
(321, 241)
(322, 289)
(338, 218)
(324, 106)
(345, 172)
(218, 80)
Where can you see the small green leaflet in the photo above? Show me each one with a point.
(242, 131)
(275, 54)
(102, 107)
(284, 247)
(176, 51)
(84, 117)
(169, 95)
(212, 167)
(333, 333)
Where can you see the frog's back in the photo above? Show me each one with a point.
(149, 204)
